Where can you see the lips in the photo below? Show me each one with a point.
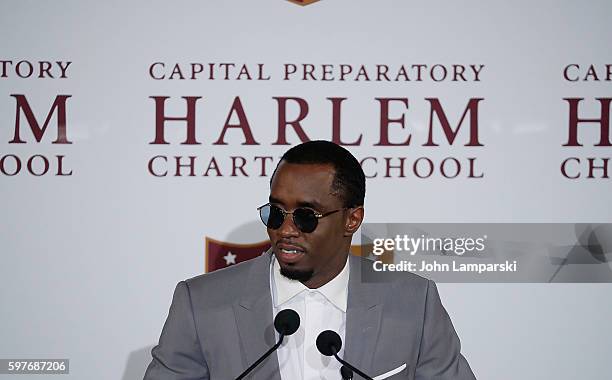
(289, 253)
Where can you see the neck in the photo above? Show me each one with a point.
(320, 279)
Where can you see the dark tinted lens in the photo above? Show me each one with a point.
(305, 219)
(275, 217)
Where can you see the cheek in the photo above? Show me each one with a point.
(272, 234)
(328, 237)
(336, 230)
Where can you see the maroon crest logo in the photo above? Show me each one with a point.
(221, 254)
(303, 2)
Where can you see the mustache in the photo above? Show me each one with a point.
(289, 242)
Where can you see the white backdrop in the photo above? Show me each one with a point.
(90, 260)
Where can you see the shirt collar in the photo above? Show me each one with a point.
(336, 291)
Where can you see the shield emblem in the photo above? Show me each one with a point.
(221, 254)
(303, 2)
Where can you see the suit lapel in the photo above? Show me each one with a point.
(363, 318)
(255, 321)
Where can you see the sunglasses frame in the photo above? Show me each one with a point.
(317, 215)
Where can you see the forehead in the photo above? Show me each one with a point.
(299, 184)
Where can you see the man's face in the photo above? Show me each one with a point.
(321, 254)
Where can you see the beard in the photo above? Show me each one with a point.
(296, 274)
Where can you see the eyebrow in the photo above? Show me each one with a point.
(309, 204)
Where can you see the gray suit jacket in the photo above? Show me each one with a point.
(219, 323)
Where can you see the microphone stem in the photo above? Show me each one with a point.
(261, 359)
(350, 366)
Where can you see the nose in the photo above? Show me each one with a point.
(288, 228)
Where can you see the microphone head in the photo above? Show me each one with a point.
(329, 343)
(346, 373)
(286, 322)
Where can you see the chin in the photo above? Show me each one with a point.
(296, 274)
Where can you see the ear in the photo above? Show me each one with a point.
(353, 220)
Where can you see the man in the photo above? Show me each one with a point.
(220, 323)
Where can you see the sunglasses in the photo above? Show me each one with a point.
(305, 219)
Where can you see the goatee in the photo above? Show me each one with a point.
(296, 274)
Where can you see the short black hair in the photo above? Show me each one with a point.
(349, 179)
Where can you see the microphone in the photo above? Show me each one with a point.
(346, 373)
(286, 323)
(329, 343)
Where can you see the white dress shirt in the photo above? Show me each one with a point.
(319, 310)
